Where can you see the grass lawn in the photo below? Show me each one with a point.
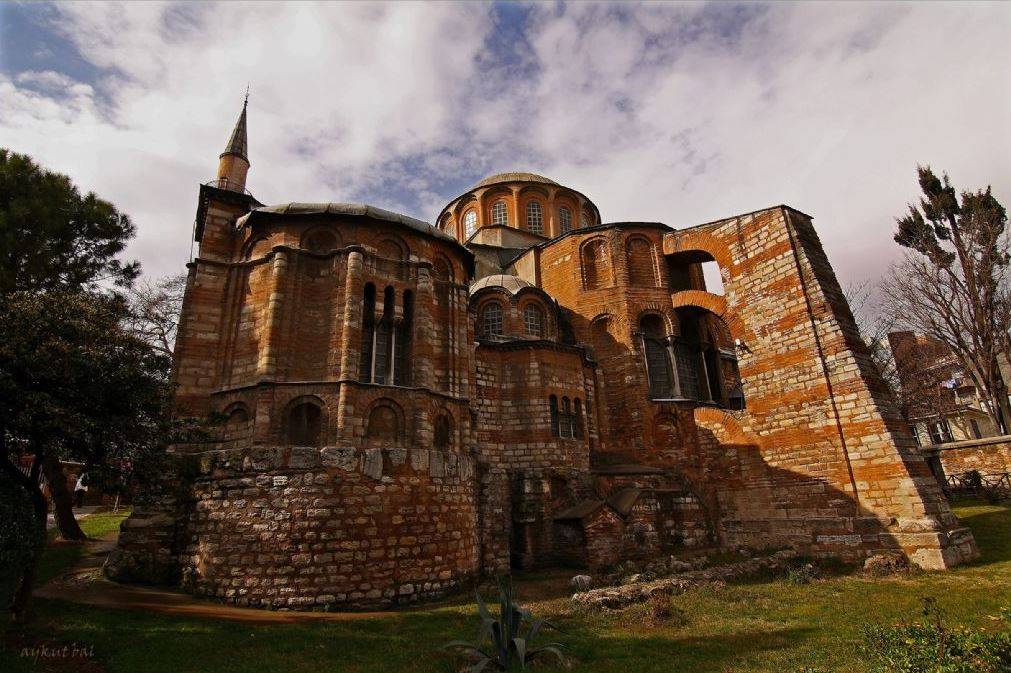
(761, 626)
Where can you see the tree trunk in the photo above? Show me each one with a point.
(63, 500)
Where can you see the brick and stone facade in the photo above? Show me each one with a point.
(397, 409)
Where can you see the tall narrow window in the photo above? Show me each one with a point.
(564, 220)
(565, 421)
(553, 401)
(368, 333)
(384, 337)
(304, 422)
(469, 223)
(402, 345)
(657, 357)
(689, 354)
(491, 320)
(499, 214)
(535, 220)
(443, 439)
(533, 320)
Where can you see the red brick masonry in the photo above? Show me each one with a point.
(389, 431)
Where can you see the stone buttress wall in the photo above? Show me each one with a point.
(819, 459)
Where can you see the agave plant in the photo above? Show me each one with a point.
(509, 637)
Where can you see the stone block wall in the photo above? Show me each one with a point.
(990, 455)
(819, 459)
(304, 528)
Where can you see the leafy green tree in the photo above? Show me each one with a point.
(75, 384)
(52, 237)
(954, 284)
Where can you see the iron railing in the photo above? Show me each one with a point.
(972, 483)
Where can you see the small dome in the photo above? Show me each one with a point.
(514, 177)
(511, 283)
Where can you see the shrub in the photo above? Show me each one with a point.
(509, 637)
(804, 574)
(929, 645)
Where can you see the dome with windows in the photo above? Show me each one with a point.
(512, 284)
(516, 209)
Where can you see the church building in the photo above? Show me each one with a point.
(396, 409)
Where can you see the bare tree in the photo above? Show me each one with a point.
(874, 329)
(953, 284)
(154, 309)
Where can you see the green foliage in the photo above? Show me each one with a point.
(510, 637)
(51, 237)
(804, 574)
(930, 645)
(74, 383)
(19, 536)
(940, 220)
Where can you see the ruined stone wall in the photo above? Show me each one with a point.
(819, 459)
(338, 527)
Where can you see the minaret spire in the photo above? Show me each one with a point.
(234, 161)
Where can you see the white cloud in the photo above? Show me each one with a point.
(675, 113)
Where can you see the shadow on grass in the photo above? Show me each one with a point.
(127, 642)
(991, 526)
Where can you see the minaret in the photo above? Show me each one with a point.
(234, 161)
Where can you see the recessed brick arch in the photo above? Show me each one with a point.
(717, 304)
(700, 242)
(722, 423)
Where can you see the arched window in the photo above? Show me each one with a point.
(304, 421)
(384, 426)
(368, 334)
(565, 219)
(491, 320)
(499, 213)
(443, 439)
(657, 356)
(469, 223)
(596, 265)
(691, 352)
(586, 220)
(402, 343)
(553, 401)
(533, 320)
(639, 259)
(535, 221)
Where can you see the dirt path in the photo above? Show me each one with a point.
(86, 584)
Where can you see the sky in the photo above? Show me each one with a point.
(678, 113)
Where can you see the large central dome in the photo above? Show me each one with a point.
(514, 177)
